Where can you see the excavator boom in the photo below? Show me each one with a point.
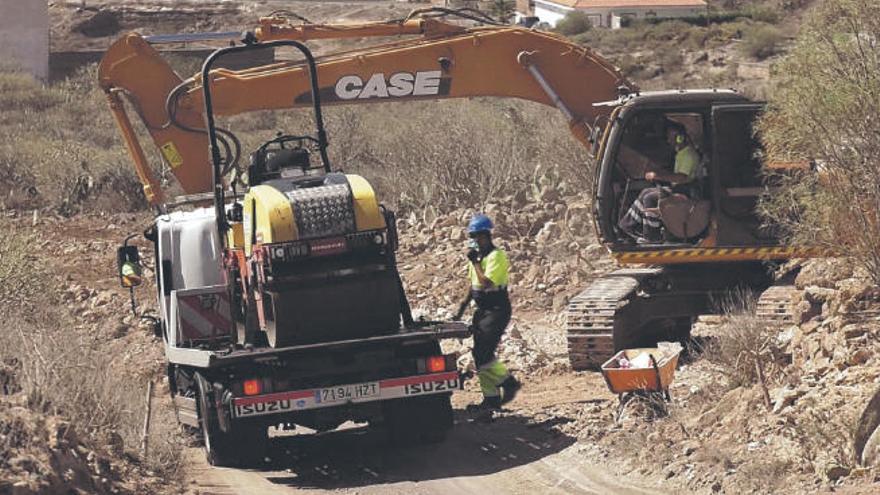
(445, 61)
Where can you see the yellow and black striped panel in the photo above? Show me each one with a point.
(705, 255)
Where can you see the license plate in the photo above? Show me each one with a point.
(346, 393)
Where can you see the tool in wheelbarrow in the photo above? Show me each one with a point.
(643, 373)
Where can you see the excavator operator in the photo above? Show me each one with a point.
(487, 272)
(642, 221)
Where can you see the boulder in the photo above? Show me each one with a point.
(835, 471)
(819, 295)
(785, 397)
(823, 273)
(101, 23)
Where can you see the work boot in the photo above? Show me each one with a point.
(509, 388)
(488, 404)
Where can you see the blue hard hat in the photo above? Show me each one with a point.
(479, 223)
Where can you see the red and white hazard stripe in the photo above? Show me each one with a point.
(204, 316)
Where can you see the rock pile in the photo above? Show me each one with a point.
(724, 439)
(549, 240)
(553, 252)
(42, 453)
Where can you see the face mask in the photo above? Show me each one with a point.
(472, 244)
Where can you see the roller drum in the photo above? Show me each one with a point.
(360, 307)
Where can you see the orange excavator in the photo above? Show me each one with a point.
(711, 237)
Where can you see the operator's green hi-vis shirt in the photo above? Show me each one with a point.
(687, 161)
(495, 267)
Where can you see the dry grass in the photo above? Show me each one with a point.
(745, 349)
(65, 151)
(61, 148)
(63, 369)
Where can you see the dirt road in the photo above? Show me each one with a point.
(515, 453)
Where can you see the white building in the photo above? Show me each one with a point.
(24, 36)
(612, 13)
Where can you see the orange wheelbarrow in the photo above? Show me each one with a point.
(638, 380)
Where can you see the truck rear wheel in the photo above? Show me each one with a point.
(244, 446)
(217, 444)
(420, 420)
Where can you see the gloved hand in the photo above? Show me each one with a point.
(473, 255)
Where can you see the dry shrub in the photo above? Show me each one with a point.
(763, 13)
(826, 437)
(825, 108)
(761, 42)
(502, 10)
(574, 22)
(58, 139)
(64, 150)
(62, 369)
(745, 349)
(440, 155)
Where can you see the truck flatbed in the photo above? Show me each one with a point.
(207, 358)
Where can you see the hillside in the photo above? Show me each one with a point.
(757, 406)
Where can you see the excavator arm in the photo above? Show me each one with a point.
(444, 61)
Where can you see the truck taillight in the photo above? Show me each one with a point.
(436, 364)
(252, 387)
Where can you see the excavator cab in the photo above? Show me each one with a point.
(716, 206)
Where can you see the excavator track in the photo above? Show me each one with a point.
(638, 307)
(592, 315)
(775, 304)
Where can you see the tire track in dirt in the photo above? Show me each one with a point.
(514, 454)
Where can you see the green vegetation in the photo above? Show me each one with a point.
(574, 22)
(503, 10)
(762, 42)
(825, 108)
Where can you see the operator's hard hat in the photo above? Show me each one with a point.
(479, 223)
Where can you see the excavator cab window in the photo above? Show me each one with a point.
(646, 147)
(738, 157)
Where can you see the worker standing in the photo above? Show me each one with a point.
(488, 276)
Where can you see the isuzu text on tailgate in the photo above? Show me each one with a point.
(392, 388)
